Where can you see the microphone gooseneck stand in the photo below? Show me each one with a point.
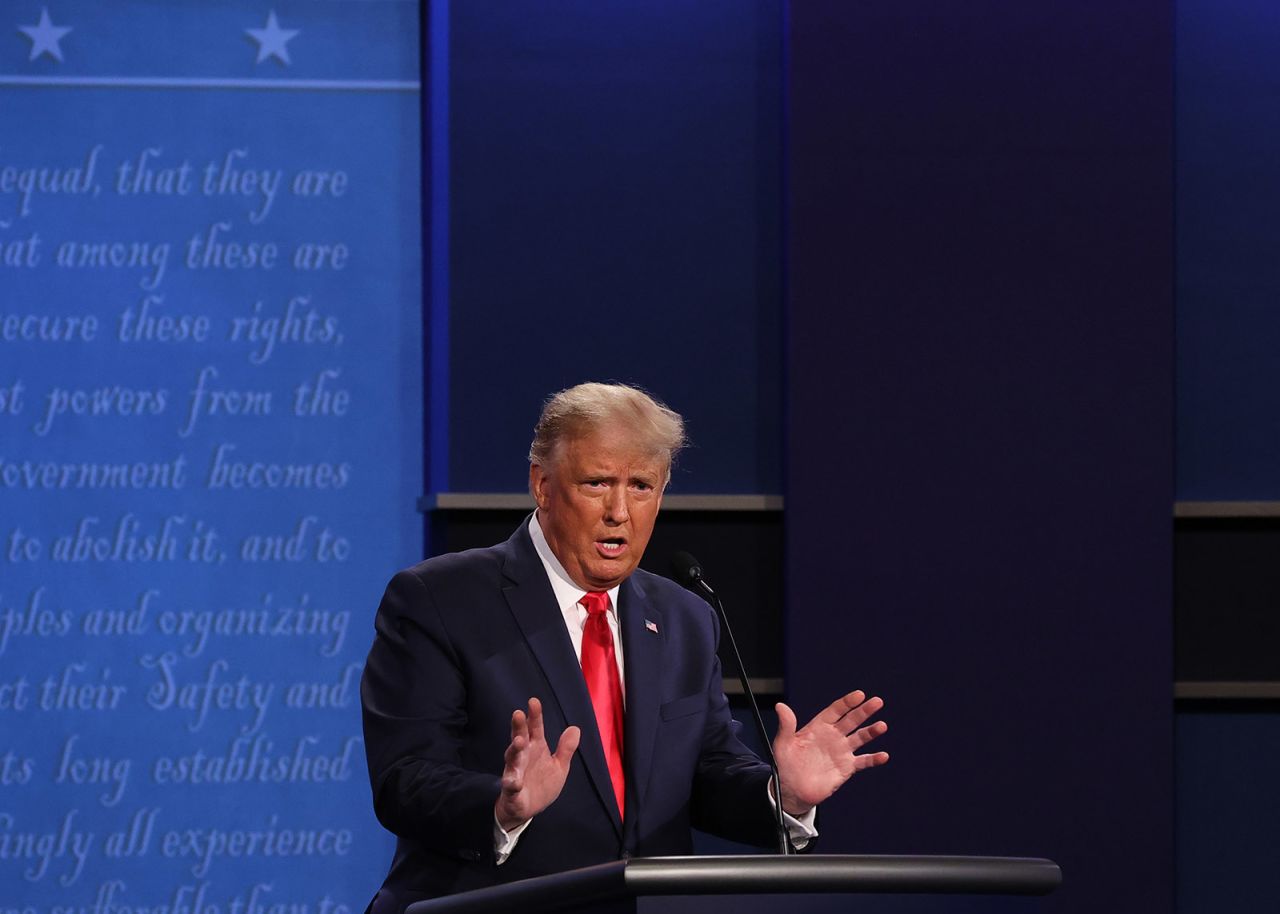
(689, 573)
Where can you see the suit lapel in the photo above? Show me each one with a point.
(642, 648)
(533, 603)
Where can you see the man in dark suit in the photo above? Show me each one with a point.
(627, 741)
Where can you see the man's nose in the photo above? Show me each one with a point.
(616, 508)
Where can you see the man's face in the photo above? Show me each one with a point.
(597, 503)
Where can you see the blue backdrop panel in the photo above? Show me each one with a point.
(1228, 191)
(615, 197)
(1226, 777)
(209, 442)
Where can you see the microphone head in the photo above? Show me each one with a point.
(686, 569)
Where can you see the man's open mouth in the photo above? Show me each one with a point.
(611, 547)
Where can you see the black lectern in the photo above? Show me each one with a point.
(625, 885)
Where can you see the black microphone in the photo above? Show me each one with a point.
(689, 573)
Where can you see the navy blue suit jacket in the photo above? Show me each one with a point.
(463, 640)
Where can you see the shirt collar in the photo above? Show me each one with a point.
(567, 592)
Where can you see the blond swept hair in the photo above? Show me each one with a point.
(586, 408)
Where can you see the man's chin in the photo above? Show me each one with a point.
(606, 574)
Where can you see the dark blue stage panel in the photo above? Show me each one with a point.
(1228, 192)
(982, 272)
(615, 212)
(210, 430)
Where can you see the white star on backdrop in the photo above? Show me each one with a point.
(272, 40)
(45, 37)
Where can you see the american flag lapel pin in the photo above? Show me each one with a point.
(651, 626)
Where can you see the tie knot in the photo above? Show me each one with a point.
(596, 601)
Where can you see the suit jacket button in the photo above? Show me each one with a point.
(626, 855)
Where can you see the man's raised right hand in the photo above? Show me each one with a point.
(532, 776)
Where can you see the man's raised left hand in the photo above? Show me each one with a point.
(814, 762)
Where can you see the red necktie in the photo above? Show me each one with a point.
(600, 669)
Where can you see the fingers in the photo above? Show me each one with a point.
(525, 728)
(519, 725)
(786, 722)
(858, 716)
(515, 749)
(513, 769)
(859, 738)
(841, 706)
(849, 712)
(870, 760)
(528, 745)
(568, 744)
(536, 732)
(519, 735)
(513, 758)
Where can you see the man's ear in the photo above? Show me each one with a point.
(537, 484)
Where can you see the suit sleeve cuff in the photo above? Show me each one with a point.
(504, 842)
(800, 829)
